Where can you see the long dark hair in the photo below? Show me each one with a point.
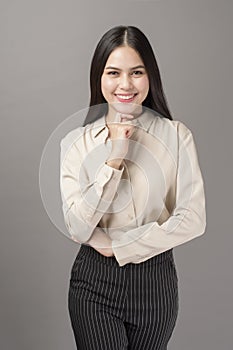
(133, 37)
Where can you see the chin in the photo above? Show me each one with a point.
(126, 108)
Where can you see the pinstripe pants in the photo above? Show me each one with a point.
(132, 307)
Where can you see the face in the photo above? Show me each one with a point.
(124, 82)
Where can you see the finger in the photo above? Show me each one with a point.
(125, 121)
(127, 116)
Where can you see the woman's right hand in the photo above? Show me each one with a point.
(120, 133)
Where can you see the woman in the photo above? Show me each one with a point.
(132, 190)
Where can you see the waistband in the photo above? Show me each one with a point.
(88, 252)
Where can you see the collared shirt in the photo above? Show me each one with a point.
(155, 202)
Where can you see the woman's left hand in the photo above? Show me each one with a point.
(101, 242)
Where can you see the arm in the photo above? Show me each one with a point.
(100, 241)
(84, 201)
(187, 221)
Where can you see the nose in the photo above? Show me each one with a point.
(125, 82)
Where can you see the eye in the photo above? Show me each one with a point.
(138, 72)
(112, 73)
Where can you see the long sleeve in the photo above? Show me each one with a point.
(187, 220)
(85, 199)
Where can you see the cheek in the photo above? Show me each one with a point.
(107, 84)
(143, 84)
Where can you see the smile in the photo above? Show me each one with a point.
(126, 98)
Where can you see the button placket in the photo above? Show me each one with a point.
(133, 204)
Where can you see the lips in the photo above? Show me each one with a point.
(125, 98)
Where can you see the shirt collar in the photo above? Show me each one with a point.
(144, 121)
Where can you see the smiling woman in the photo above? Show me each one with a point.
(132, 190)
(133, 40)
(124, 78)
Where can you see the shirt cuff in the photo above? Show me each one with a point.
(104, 175)
(121, 252)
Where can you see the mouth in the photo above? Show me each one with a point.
(125, 98)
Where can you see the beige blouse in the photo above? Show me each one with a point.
(154, 203)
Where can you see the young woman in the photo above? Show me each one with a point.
(132, 190)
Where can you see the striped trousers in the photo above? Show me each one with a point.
(131, 307)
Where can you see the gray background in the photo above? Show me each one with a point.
(46, 49)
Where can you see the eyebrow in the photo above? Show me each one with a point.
(139, 66)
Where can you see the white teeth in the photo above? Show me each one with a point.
(125, 97)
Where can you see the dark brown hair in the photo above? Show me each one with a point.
(133, 37)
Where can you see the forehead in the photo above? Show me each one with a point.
(124, 55)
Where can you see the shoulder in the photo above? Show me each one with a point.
(70, 143)
(165, 127)
(177, 125)
(73, 136)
